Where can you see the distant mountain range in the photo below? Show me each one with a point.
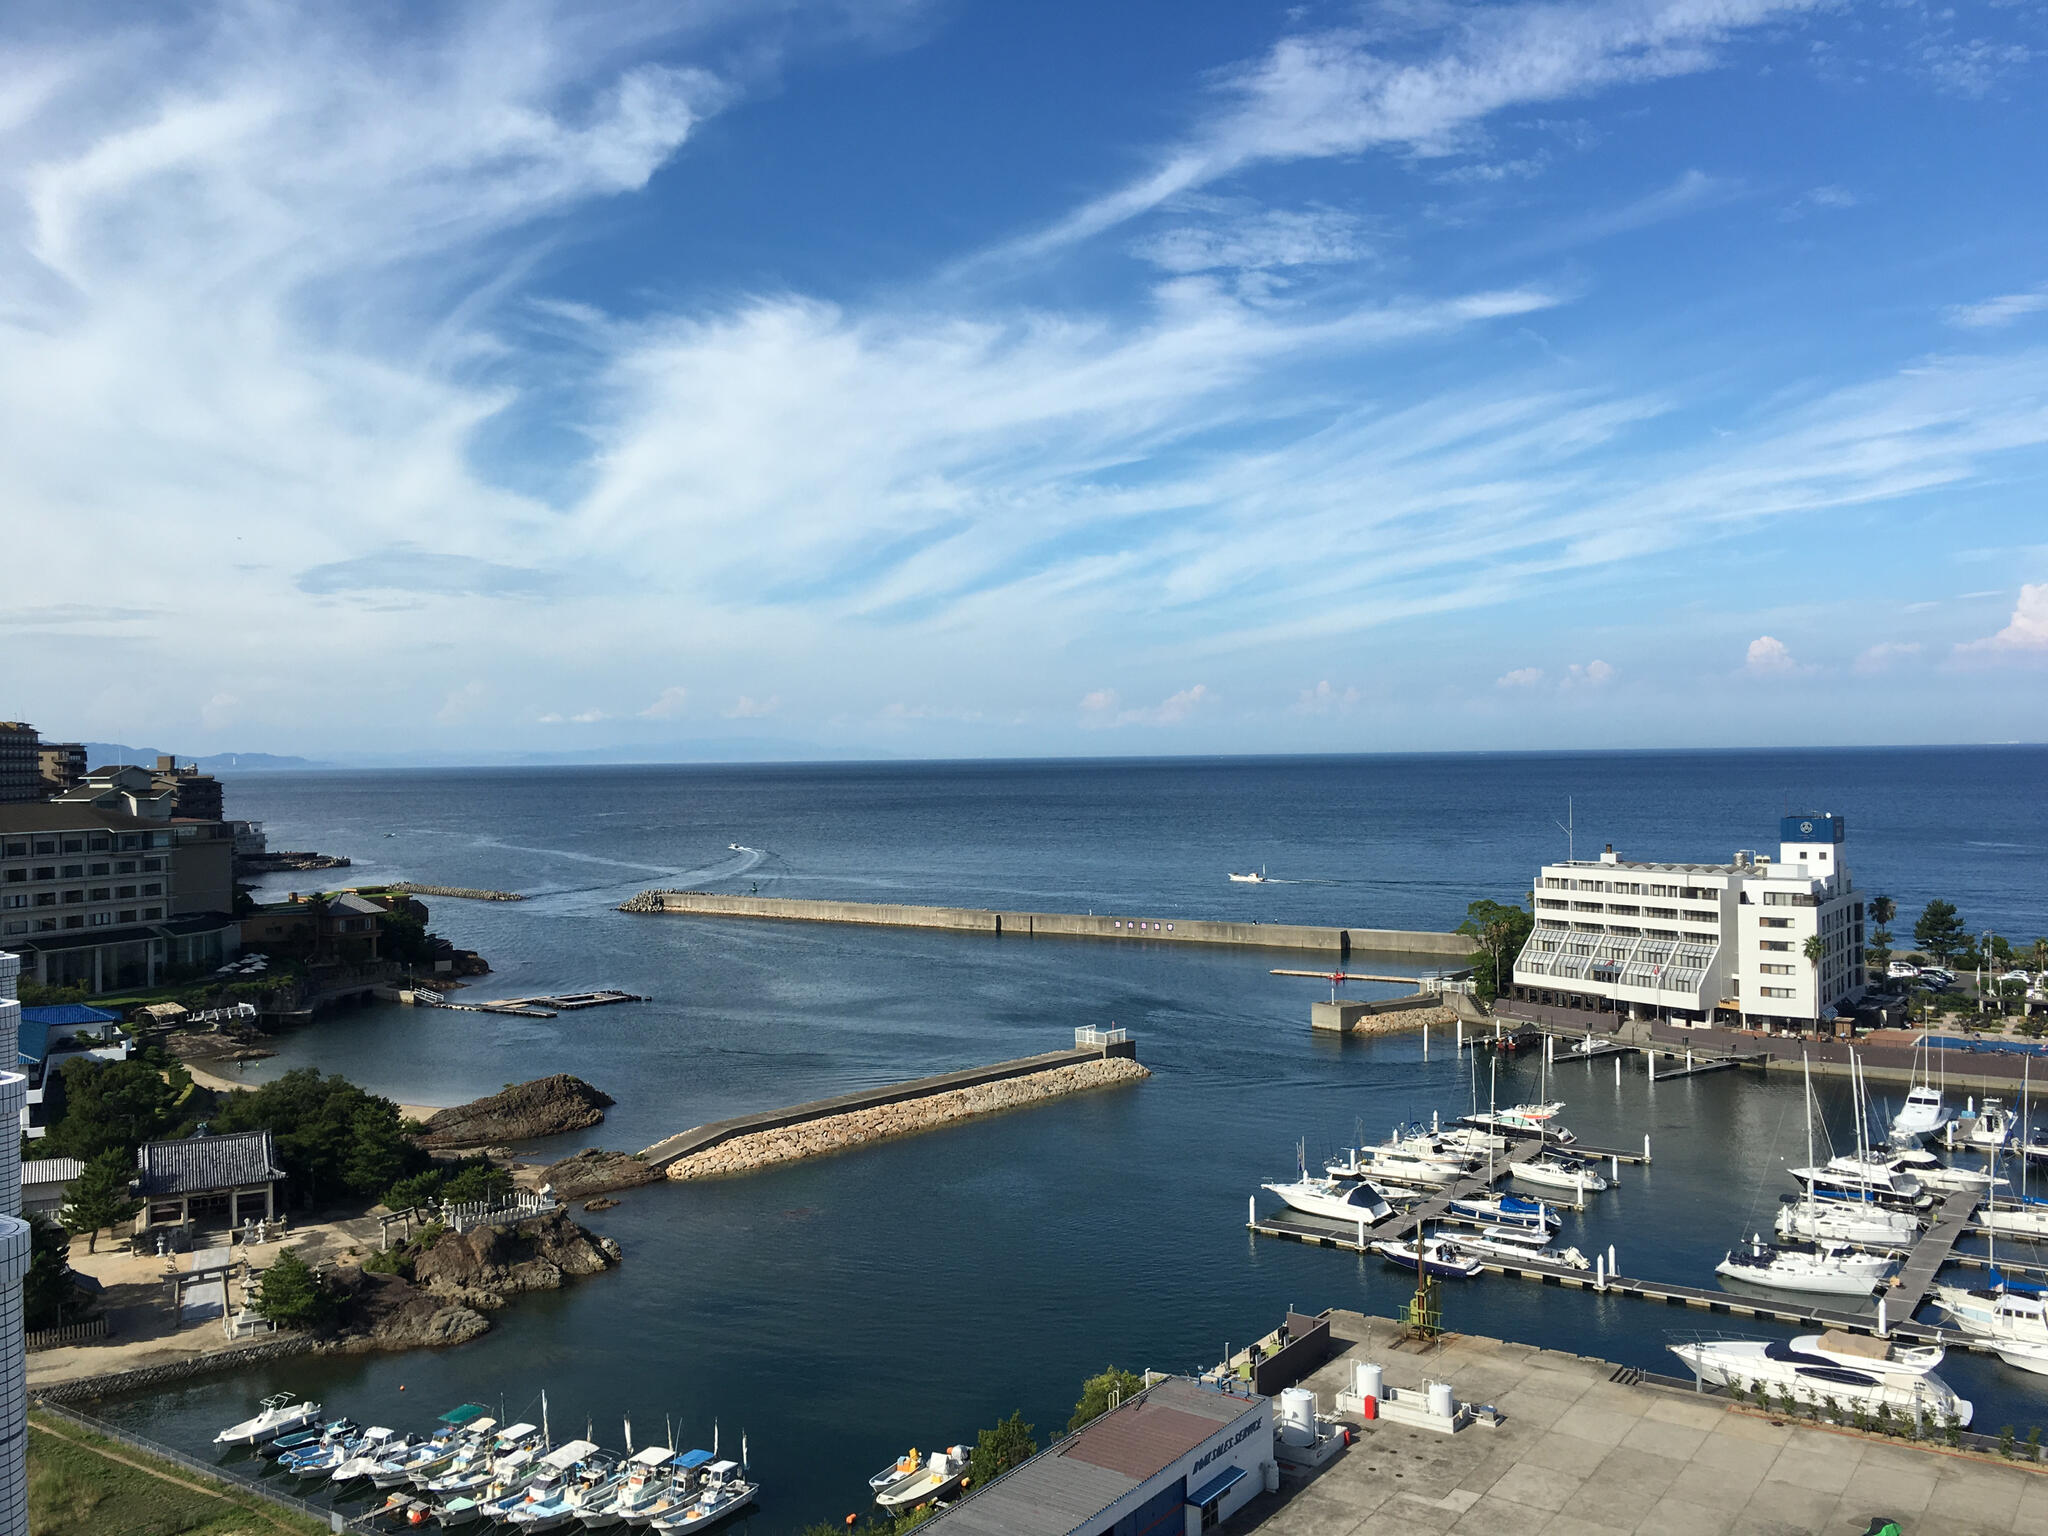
(102, 754)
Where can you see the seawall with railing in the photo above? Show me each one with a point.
(1062, 925)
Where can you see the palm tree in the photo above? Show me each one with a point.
(1816, 949)
(1882, 910)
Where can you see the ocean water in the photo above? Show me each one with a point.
(837, 1311)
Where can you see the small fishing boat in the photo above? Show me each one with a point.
(301, 1439)
(1566, 1173)
(1821, 1380)
(279, 1415)
(377, 1444)
(1823, 1269)
(1434, 1255)
(942, 1473)
(1507, 1211)
(547, 1505)
(1255, 877)
(722, 1492)
(896, 1471)
(647, 1478)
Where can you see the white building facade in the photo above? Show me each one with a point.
(14, 1259)
(1701, 943)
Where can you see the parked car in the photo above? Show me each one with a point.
(1902, 970)
(2019, 976)
(1946, 977)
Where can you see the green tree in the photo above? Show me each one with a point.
(1501, 930)
(98, 1198)
(1882, 910)
(415, 1190)
(332, 1138)
(1816, 950)
(1101, 1393)
(48, 1298)
(475, 1182)
(997, 1450)
(111, 1105)
(1879, 950)
(2010, 992)
(1939, 930)
(289, 1294)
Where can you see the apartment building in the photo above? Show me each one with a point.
(1699, 942)
(21, 769)
(62, 763)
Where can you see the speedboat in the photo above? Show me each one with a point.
(1825, 1269)
(1525, 1121)
(1836, 1221)
(1332, 1200)
(942, 1473)
(1922, 1114)
(302, 1439)
(279, 1415)
(1254, 878)
(1436, 1256)
(1515, 1248)
(1471, 1141)
(1988, 1125)
(1507, 1211)
(1415, 1161)
(722, 1492)
(1821, 1380)
(1566, 1173)
(1933, 1173)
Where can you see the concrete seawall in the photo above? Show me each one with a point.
(1336, 942)
(703, 1138)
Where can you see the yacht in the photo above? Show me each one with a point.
(1871, 1180)
(942, 1473)
(1933, 1173)
(1923, 1113)
(1434, 1255)
(1525, 1121)
(279, 1415)
(1824, 1269)
(1835, 1221)
(1507, 1211)
(1333, 1199)
(1514, 1247)
(1476, 1143)
(1565, 1173)
(1861, 1352)
(1811, 1377)
(2011, 1321)
(2027, 1218)
(1420, 1160)
(1989, 1126)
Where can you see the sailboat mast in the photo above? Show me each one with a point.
(1806, 1070)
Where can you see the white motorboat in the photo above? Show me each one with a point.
(1933, 1173)
(1421, 1161)
(1515, 1247)
(1867, 1180)
(1523, 1121)
(2027, 1218)
(378, 1445)
(1563, 1173)
(1822, 1269)
(1995, 1313)
(1923, 1113)
(942, 1473)
(1507, 1211)
(1821, 1380)
(1836, 1221)
(1986, 1125)
(1434, 1255)
(1476, 1143)
(280, 1415)
(722, 1492)
(1253, 877)
(1861, 1352)
(1334, 1200)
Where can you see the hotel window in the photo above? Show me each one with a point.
(102, 868)
(46, 871)
(128, 916)
(154, 888)
(102, 919)
(125, 867)
(100, 842)
(74, 922)
(46, 845)
(74, 871)
(17, 874)
(1775, 944)
(1779, 992)
(15, 927)
(46, 898)
(73, 898)
(102, 893)
(46, 925)
(151, 914)
(128, 892)
(1774, 922)
(1775, 970)
(17, 850)
(74, 845)
(18, 900)
(151, 865)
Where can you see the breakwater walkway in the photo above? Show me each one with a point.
(1063, 925)
(1090, 1046)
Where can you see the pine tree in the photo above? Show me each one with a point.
(98, 1198)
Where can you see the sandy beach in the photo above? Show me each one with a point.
(207, 1078)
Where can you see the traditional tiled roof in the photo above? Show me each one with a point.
(201, 1165)
(51, 1170)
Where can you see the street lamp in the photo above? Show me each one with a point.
(1983, 955)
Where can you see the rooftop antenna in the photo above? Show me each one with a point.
(1571, 854)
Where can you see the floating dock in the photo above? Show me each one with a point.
(528, 1007)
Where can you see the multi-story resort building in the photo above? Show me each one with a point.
(1701, 942)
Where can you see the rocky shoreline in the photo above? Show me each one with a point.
(837, 1133)
(547, 1106)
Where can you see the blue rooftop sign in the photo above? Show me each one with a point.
(1812, 828)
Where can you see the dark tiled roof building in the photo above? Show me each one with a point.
(203, 1179)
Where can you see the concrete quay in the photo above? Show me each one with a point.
(1580, 1451)
(1090, 1045)
(1064, 925)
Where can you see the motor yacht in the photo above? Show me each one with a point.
(1334, 1199)
(279, 1415)
(1515, 1247)
(1861, 1352)
(1870, 1180)
(1835, 1221)
(1434, 1255)
(1565, 1173)
(1990, 1124)
(2025, 1218)
(1523, 1121)
(1821, 1380)
(1507, 1211)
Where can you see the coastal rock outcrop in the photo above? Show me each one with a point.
(483, 1267)
(388, 1312)
(547, 1106)
(836, 1133)
(594, 1171)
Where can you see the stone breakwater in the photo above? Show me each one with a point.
(467, 893)
(838, 1133)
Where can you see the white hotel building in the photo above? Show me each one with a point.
(1698, 943)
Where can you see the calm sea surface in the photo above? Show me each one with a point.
(840, 1310)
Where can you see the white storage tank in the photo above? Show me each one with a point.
(1441, 1404)
(1298, 1416)
(1371, 1381)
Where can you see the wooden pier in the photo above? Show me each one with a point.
(528, 1007)
(1696, 1067)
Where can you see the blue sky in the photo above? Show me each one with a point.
(944, 379)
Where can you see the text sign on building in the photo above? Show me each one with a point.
(1812, 829)
(1214, 1451)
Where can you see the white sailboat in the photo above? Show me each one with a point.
(1821, 1269)
(1840, 1221)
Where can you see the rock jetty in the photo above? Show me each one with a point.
(547, 1106)
(594, 1171)
(465, 892)
(485, 1266)
(837, 1133)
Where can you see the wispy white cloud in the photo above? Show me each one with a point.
(1885, 655)
(1276, 237)
(1325, 699)
(1103, 708)
(1521, 677)
(1768, 656)
(668, 706)
(1594, 674)
(1315, 95)
(1990, 314)
(745, 707)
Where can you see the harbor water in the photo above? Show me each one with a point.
(839, 1311)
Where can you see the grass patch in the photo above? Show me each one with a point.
(82, 1484)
